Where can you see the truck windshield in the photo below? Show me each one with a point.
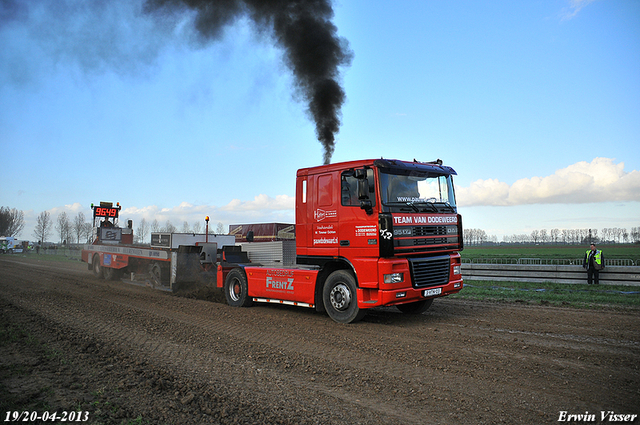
(417, 190)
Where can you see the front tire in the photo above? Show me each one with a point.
(236, 289)
(417, 307)
(340, 297)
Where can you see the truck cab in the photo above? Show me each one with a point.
(392, 224)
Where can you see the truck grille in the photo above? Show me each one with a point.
(429, 271)
(429, 230)
(414, 239)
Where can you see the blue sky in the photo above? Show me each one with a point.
(535, 104)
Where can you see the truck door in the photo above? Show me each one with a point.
(358, 227)
(323, 211)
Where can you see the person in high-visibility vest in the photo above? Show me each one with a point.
(593, 262)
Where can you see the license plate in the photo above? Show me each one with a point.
(431, 292)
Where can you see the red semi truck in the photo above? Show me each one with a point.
(368, 233)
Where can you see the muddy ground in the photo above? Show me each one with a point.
(127, 354)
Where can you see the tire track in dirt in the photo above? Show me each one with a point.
(192, 361)
(408, 389)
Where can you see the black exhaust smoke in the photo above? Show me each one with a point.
(313, 51)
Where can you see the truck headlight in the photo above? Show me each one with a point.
(457, 269)
(393, 277)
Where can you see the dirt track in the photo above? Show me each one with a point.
(129, 354)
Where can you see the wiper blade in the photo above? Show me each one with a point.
(447, 206)
(413, 206)
(429, 204)
(410, 204)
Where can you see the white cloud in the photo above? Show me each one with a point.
(598, 181)
(262, 203)
(575, 6)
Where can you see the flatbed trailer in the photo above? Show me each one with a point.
(170, 262)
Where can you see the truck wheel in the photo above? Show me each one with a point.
(98, 271)
(416, 308)
(340, 297)
(236, 289)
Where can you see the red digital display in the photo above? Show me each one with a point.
(105, 212)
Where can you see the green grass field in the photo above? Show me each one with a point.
(554, 294)
(626, 251)
(572, 295)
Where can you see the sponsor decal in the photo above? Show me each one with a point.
(368, 230)
(321, 214)
(279, 285)
(425, 219)
(325, 241)
(325, 234)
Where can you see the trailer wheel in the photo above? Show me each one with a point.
(97, 267)
(236, 289)
(418, 307)
(340, 297)
(112, 274)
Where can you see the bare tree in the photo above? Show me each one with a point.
(43, 227)
(535, 236)
(87, 231)
(220, 228)
(197, 227)
(155, 226)
(142, 230)
(185, 227)
(169, 227)
(79, 226)
(543, 236)
(617, 232)
(63, 227)
(11, 221)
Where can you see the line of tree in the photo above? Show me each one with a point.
(557, 236)
(144, 228)
(79, 230)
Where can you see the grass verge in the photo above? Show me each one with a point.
(556, 294)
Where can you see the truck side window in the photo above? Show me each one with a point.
(349, 188)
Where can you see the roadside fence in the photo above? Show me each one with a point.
(616, 272)
(548, 261)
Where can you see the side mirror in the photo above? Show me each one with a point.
(363, 191)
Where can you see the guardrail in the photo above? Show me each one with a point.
(548, 261)
(611, 275)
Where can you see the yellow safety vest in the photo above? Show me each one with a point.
(597, 257)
